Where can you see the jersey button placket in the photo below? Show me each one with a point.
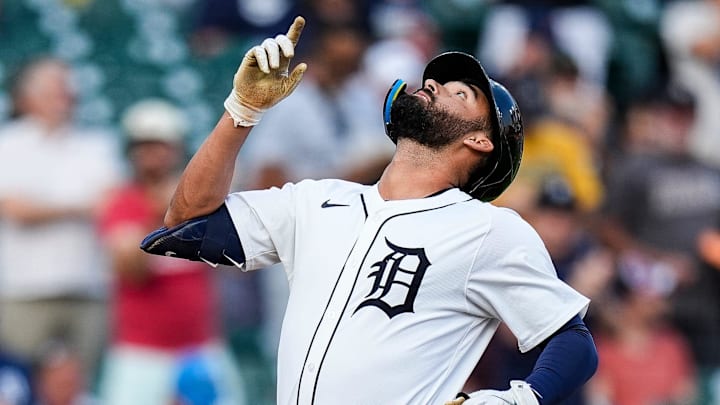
(334, 313)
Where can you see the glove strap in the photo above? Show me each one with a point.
(242, 115)
(523, 393)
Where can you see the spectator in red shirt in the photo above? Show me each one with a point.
(164, 316)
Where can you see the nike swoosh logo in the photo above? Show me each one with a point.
(328, 204)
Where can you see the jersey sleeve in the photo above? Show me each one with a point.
(513, 280)
(265, 223)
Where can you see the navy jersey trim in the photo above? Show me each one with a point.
(362, 199)
(302, 370)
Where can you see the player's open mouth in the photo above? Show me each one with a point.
(423, 93)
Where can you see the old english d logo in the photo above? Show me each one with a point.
(395, 272)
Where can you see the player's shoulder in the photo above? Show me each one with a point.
(336, 187)
(508, 224)
(310, 190)
(503, 213)
(493, 212)
(318, 194)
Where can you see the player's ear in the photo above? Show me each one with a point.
(478, 141)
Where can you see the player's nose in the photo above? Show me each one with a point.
(432, 86)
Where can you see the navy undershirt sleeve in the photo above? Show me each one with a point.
(568, 360)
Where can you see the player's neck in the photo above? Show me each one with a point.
(416, 173)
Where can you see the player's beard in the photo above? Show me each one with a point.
(428, 124)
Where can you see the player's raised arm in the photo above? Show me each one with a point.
(262, 80)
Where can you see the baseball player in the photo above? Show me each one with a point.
(396, 288)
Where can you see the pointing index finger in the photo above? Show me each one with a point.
(296, 29)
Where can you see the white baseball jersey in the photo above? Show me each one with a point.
(394, 302)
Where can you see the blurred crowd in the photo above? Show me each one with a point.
(102, 102)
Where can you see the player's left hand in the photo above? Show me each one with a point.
(519, 393)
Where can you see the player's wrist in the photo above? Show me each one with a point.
(242, 115)
(525, 393)
(520, 393)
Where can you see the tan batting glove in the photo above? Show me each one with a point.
(262, 79)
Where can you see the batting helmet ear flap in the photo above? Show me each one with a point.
(397, 87)
(504, 161)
